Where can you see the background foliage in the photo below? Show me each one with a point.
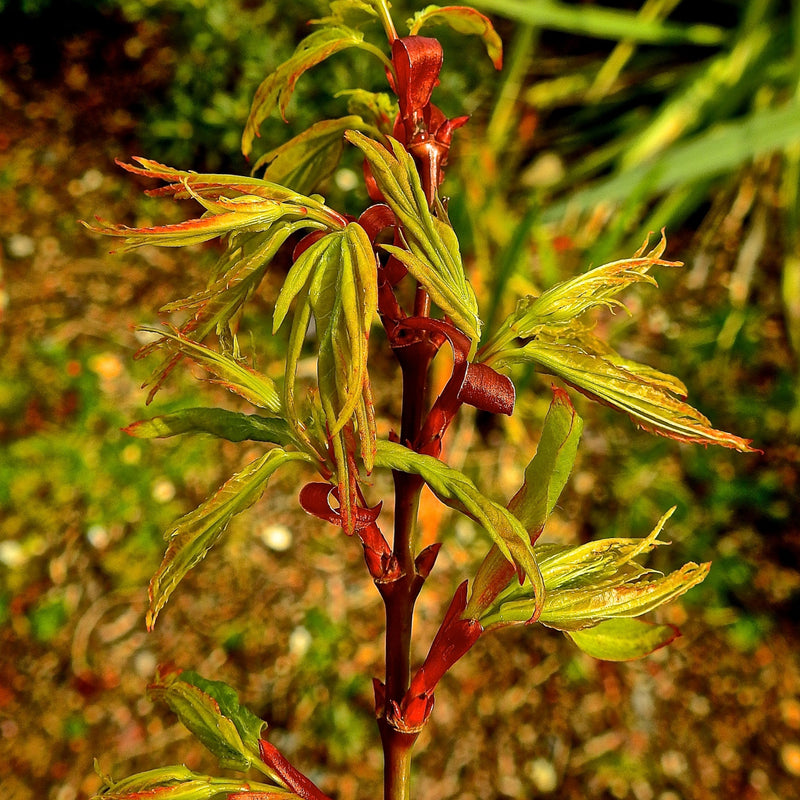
(605, 124)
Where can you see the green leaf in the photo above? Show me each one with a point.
(230, 732)
(572, 609)
(310, 157)
(623, 639)
(588, 583)
(645, 395)
(348, 12)
(277, 89)
(194, 534)
(378, 108)
(230, 425)
(432, 255)
(237, 275)
(335, 279)
(548, 472)
(562, 304)
(458, 491)
(248, 725)
(255, 387)
(464, 20)
(545, 478)
(180, 783)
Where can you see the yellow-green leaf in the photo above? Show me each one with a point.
(623, 639)
(230, 425)
(310, 157)
(277, 89)
(545, 478)
(255, 387)
(643, 394)
(464, 20)
(457, 490)
(191, 537)
(432, 254)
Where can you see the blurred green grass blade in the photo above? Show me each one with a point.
(720, 150)
(603, 23)
(608, 74)
(721, 82)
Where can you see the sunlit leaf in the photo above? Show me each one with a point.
(641, 394)
(348, 12)
(230, 425)
(588, 583)
(180, 783)
(310, 157)
(378, 108)
(211, 711)
(335, 279)
(277, 89)
(545, 478)
(191, 537)
(623, 639)
(464, 20)
(562, 304)
(433, 256)
(547, 473)
(255, 387)
(455, 489)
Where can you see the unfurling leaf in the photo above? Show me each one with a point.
(232, 203)
(562, 304)
(589, 583)
(546, 331)
(277, 89)
(623, 639)
(464, 20)
(432, 255)
(230, 425)
(180, 783)
(545, 478)
(255, 387)
(191, 537)
(211, 711)
(335, 279)
(644, 394)
(455, 489)
(306, 160)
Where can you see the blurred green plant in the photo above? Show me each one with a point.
(398, 261)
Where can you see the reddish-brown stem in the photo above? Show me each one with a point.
(292, 778)
(400, 594)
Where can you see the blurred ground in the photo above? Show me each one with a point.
(292, 622)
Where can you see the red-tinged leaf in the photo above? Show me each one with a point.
(464, 20)
(649, 404)
(277, 89)
(255, 387)
(185, 184)
(623, 639)
(180, 783)
(182, 234)
(194, 534)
